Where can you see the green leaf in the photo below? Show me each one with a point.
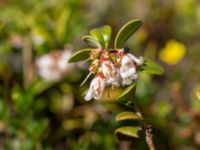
(127, 93)
(39, 86)
(97, 34)
(23, 99)
(128, 115)
(62, 24)
(106, 32)
(80, 55)
(93, 41)
(151, 67)
(128, 131)
(126, 32)
(103, 34)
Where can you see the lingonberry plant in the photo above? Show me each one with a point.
(116, 67)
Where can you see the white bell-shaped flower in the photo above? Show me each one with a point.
(128, 71)
(138, 61)
(62, 61)
(53, 66)
(96, 89)
(111, 73)
(47, 68)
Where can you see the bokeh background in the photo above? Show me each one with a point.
(41, 103)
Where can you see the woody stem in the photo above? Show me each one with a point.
(148, 129)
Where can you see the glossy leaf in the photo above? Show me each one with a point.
(80, 55)
(93, 41)
(128, 131)
(103, 34)
(126, 32)
(151, 67)
(127, 93)
(106, 32)
(97, 34)
(128, 115)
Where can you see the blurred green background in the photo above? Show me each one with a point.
(41, 103)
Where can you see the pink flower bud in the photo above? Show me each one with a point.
(96, 89)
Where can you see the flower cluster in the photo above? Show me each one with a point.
(52, 66)
(111, 68)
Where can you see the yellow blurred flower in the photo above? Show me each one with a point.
(198, 94)
(173, 52)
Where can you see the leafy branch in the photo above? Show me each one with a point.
(116, 67)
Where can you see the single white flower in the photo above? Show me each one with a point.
(53, 66)
(111, 73)
(139, 61)
(128, 66)
(49, 75)
(96, 89)
(62, 62)
(45, 61)
(47, 68)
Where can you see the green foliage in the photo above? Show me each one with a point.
(22, 99)
(151, 67)
(128, 131)
(103, 35)
(93, 41)
(100, 38)
(127, 93)
(80, 55)
(126, 32)
(128, 115)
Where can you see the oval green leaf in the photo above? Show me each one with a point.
(128, 131)
(151, 67)
(93, 41)
(106, 32)
(80, 55)
(128, 115)
(127, 93)
(103, 34)
(126, 32)
(97, 34)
